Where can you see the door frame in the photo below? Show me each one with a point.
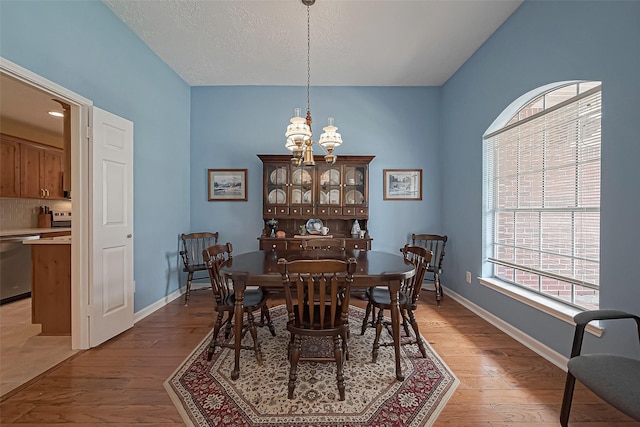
(80, 207)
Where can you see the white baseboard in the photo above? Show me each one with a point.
(139, 315)
(539, 348)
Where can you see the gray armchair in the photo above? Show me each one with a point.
(614, 378)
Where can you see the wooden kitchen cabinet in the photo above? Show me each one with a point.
(41, 170)
(337, 194)
(51, 288)
(30, 170)
(9, 167)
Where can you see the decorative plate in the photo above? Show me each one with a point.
(354, 177)
(296, 196)
(277, 196)
(331, 177)
(314, 226)
(278, 176)
(301, 176)
(306, 197)
(354, 197)
(334, 197)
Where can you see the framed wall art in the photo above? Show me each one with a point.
(227, 185)
(402, 184)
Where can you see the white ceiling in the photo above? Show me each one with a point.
(353, 42)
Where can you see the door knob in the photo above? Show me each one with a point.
(129, 236)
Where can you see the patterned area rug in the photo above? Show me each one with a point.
(205, 395)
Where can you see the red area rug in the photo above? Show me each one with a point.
(205, 395)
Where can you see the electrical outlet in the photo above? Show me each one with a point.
(468, 277)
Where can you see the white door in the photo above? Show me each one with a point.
(112, 286)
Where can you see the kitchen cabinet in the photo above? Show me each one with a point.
(9, 167)
(41, 170)
(30, 170)
(51, 285)
(337, 194)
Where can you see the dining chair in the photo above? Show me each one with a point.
(379, 298)
(192, 246)
(317, 300)
(254, 299)
(612, 377)
(436, 244)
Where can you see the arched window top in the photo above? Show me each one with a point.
(538, 100)
(551, 98)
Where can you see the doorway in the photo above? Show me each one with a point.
(79, 112)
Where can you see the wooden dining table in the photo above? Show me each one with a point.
(259, 268)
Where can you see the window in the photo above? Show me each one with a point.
(542, 196)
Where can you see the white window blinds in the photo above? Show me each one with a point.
(542, 189)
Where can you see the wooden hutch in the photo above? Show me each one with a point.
(337, 194)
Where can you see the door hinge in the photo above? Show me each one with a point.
(89, 310)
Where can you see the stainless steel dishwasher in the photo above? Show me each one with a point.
(15, 267)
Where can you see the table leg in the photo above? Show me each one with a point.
(239, 287)
(394, 288)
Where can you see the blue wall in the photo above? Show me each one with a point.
(545, 42)
(399, 125)
(84, 47)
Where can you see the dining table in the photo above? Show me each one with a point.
(259, 268)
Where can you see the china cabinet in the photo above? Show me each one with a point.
(336, 194)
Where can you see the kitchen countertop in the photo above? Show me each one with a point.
(58, 240)
(27, 231)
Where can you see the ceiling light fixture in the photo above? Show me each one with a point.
(56, 113)
(299, 136)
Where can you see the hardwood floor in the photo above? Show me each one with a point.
(120, 382)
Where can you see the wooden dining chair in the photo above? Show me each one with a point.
(254, 300)
(317, 300)
(436, 244)
(192, 246)
(379, 298)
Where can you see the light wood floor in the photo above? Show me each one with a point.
(119, 383)
(24, 354)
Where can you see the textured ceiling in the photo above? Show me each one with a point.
(353, 42)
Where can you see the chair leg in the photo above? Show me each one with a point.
(264, 314)
(295, 357)
(365, 322)
(414, 325)
(405, 323)
(376, 341)
(566, 400)
(337, 351)
(438, 286)
(251, 324)
(345, 348)
(187, 294)
(214, 338)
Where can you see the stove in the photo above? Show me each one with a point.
(61, 219)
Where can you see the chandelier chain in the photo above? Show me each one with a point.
(308, 58)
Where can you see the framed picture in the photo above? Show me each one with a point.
(402, 184)
(229, 185)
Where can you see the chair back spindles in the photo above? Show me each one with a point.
(434, 243)
(192, 246)
(421, 259)
(214, 257)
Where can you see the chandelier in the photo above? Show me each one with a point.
(299, 136)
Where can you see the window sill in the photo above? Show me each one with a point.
(546, 305)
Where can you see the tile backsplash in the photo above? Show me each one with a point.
(23, 213)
